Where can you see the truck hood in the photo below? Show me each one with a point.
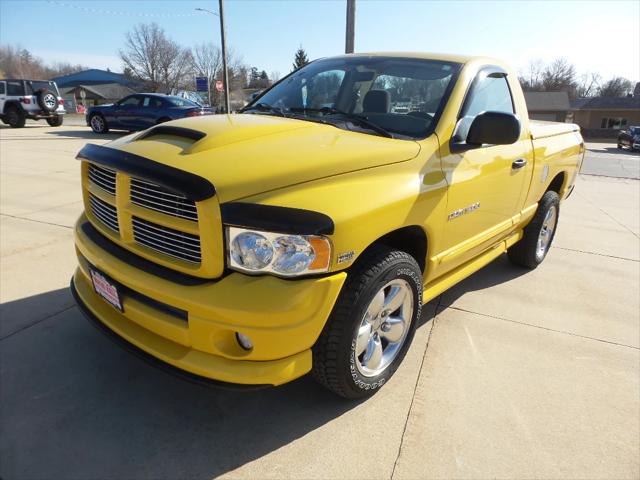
(248, 154)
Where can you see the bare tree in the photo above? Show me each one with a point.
(531, 79)
(616, 87)
(588, 85)
(19, 62)
(560, 76)
(207, 61)
(153, 57)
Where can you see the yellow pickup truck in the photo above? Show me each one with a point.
(305, 233)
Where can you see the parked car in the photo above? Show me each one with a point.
(296, 237)
(30, 99)
(629, 138)
(141, 111)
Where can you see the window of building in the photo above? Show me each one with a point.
(613, 122)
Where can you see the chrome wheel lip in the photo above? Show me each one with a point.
(546, 232)
(383, 328)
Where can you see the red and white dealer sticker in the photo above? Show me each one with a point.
(106, 289)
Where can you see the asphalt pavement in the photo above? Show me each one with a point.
(512, 373)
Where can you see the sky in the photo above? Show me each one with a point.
(596, 36)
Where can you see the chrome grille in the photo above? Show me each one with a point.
(104, 178)
(165, 240)
(155, 197)
(106, 213)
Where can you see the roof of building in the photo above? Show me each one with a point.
(606, 103)
(547, 101)
(106, 91)
(92, 76)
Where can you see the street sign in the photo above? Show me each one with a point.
(202, 84)
(219, 85)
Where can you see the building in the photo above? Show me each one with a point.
(604, 117)
(550, 106)
(94, 87)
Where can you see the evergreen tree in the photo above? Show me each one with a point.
(300, 59)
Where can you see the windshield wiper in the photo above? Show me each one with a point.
(265, 107)
(362, 120)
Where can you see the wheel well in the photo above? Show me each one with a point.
(557, 183)
(412, 240)
(13, 104)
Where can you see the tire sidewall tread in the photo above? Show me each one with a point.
(334, 352)
(523, 253)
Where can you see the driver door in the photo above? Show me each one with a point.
(127, 111)
(487, 184)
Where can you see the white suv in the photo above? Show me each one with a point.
(33, 99)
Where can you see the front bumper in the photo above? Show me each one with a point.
(192, 326)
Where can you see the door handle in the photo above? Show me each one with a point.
(521, 162)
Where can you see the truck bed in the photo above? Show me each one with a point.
(542, 129)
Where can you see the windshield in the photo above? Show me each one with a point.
(401, 96)
(33, 87)
(181, 102)
(634, 130)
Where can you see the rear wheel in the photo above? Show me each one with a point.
(15, 117)
(371, 326)
(532, 249)
(98, 123)
(55, 121)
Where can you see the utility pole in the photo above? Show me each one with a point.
(224, 58)
(351, 26)
(225, 72)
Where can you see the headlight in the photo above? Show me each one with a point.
(280, 254)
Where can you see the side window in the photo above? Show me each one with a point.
(1, 88)
(155, 103)
(146, 102)
(489, 93)
(15, 88)
(132, 101)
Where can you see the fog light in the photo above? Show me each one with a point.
(244, 341)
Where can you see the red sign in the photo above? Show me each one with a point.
(219, 86)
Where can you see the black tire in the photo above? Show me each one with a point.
(526, 252)
(15, 117)
(334, 354)
(98, 123)
(55, 121)
(47, 100)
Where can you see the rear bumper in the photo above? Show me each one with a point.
(40, 115)
(192, 327)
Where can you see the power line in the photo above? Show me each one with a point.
(123, 13)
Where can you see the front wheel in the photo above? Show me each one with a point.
(55, 121)
(98, 123)
(532, 249)
(371, 326)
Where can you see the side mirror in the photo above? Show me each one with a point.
(494, 128)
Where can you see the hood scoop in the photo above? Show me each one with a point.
(171, 131)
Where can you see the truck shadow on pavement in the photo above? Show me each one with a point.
(74, 405)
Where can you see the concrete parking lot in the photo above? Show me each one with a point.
(512, 374)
